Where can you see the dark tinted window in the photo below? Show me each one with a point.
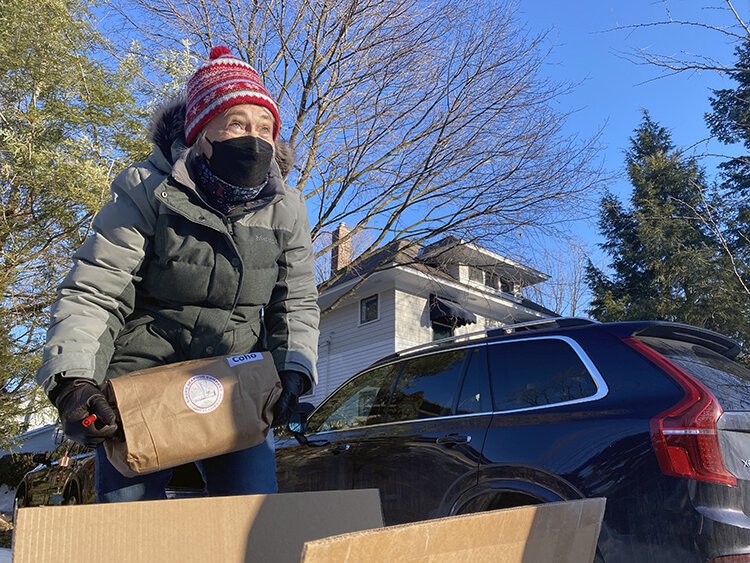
(77, 449)
(427, 386)
(537, 372)
(727, 380)
(368, 309)
(474, 385)
(361, 402)
(60, 450)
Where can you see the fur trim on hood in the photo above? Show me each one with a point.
(168, 125)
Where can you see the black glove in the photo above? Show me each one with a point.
(293, 384)
(79, 399)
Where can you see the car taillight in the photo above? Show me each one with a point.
(685, 436)
(741, 558)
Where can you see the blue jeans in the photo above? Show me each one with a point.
(250, 471)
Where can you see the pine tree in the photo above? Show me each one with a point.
(729, 122)
(665, 263)
(66, 121)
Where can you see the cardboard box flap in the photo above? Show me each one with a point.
(564, 532)
(256, 528)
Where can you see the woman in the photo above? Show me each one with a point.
(203, 251)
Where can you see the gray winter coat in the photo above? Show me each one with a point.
(164, 278)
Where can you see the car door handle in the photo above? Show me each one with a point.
(340, 448)
(453, 439)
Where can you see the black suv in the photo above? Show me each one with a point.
(67, 475)
(64, 476)
(654, 416)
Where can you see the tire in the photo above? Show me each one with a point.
(20, 500)
(71, 496)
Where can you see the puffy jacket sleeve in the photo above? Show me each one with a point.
(98, 292)
(292, 314)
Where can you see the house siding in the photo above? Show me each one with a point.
(346, 346)
(413, 324)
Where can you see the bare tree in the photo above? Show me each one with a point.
(566, 292)
(721, 21)
(410, 119)
(711, 218)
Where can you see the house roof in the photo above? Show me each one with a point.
(529, 304)
(434, 258)
(396, 253)
(456, 250)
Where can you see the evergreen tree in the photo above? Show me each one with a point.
(665, 264)
(729, 122)
(65, 123)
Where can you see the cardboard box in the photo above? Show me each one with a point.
(280, 528)
(562, 532)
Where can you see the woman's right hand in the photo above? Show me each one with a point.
(78, 400)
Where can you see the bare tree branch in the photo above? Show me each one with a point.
(410, 119)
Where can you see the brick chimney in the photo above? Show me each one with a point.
(341, 253)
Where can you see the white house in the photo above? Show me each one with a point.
(405, 295)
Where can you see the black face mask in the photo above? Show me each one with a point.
(242, 161)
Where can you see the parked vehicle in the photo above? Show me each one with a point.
(67, 476)
(654, 416)
(63, 476)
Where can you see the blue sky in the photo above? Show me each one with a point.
(610, 89)
(592, 50)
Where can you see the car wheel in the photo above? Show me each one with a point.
(20, 500)
(72, 496)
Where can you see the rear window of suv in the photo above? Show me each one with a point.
(537, 372)
(726, 379)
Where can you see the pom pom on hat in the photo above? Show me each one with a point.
(219, 83)
(218, 51)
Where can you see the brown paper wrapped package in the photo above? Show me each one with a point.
(192, 410)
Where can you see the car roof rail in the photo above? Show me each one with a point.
(553, 322)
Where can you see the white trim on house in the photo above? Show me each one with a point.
(329, 296)
(478, 296)
(468, 252)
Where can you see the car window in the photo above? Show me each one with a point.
(60, 450)
(427, 386)
(78, 449)
(474, 397)
(727, 380)
(536, 372)
(360, 402)
(70, 448)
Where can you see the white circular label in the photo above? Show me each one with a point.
(203, 393)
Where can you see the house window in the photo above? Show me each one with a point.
(506, 286)
(491, 280)
(440, 330)
(368, 309)
(476, 275)
(446, 315)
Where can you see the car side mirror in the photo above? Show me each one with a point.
(42, 458)
(298, 422)
(298, 426)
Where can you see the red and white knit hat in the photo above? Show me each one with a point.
(220, 83)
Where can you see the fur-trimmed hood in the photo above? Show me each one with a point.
(168, 125)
